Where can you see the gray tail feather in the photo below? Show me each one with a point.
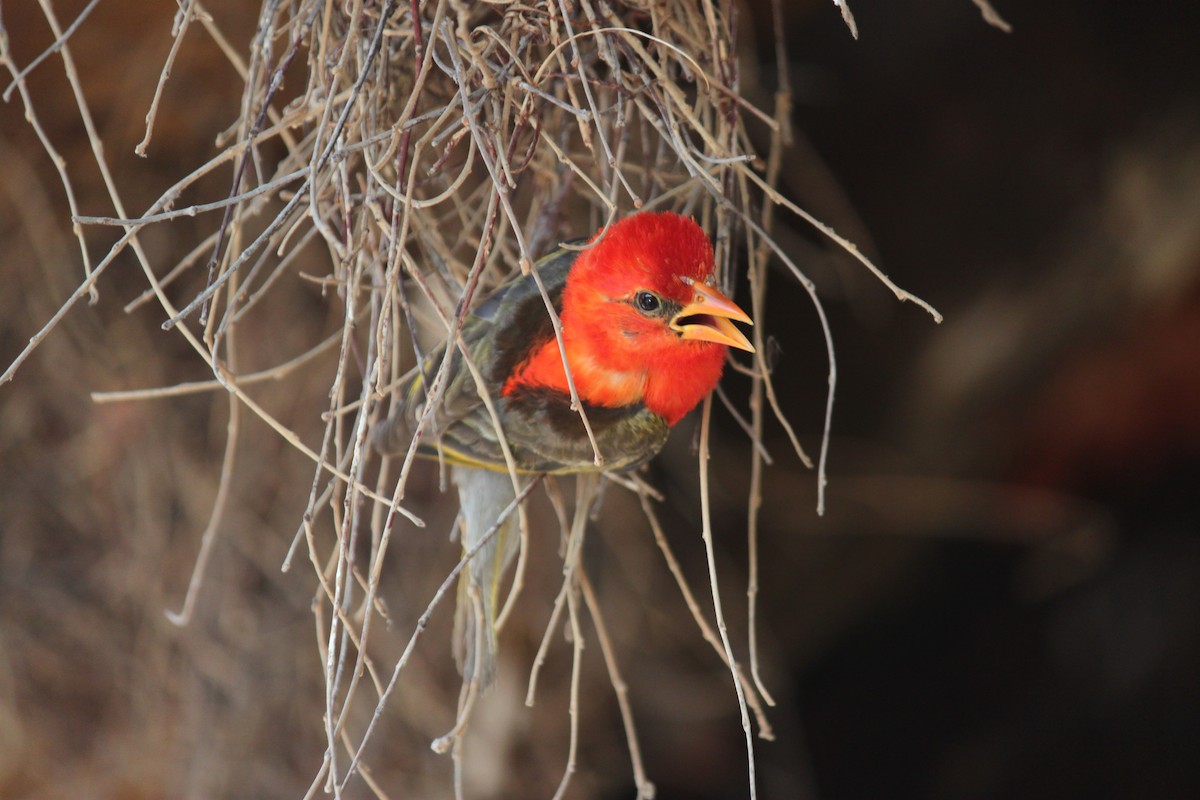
(483, 496)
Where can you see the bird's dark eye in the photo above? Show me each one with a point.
(648, 302)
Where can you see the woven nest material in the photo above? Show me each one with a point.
(434, 161)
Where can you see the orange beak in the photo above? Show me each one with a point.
(707, 319)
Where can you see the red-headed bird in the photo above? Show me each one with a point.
(645, 335)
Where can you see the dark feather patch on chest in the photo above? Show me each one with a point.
(551, 408)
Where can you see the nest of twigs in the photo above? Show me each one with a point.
(390, 162)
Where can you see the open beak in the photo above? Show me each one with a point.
(707, 319)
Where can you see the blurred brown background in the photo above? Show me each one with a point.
(1002, 602)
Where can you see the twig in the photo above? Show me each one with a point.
(709, 553)
(689, 598)
(991, 17)
(199, 208)
(903, 296)
(59, 41)
(208, 539)
(646, 790)
(586, 486)
(185, 15)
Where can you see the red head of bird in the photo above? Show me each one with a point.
(641, 321)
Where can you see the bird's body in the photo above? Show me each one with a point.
(638, 370)
(645, 337)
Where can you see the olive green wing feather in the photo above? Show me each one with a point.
(504, 329)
